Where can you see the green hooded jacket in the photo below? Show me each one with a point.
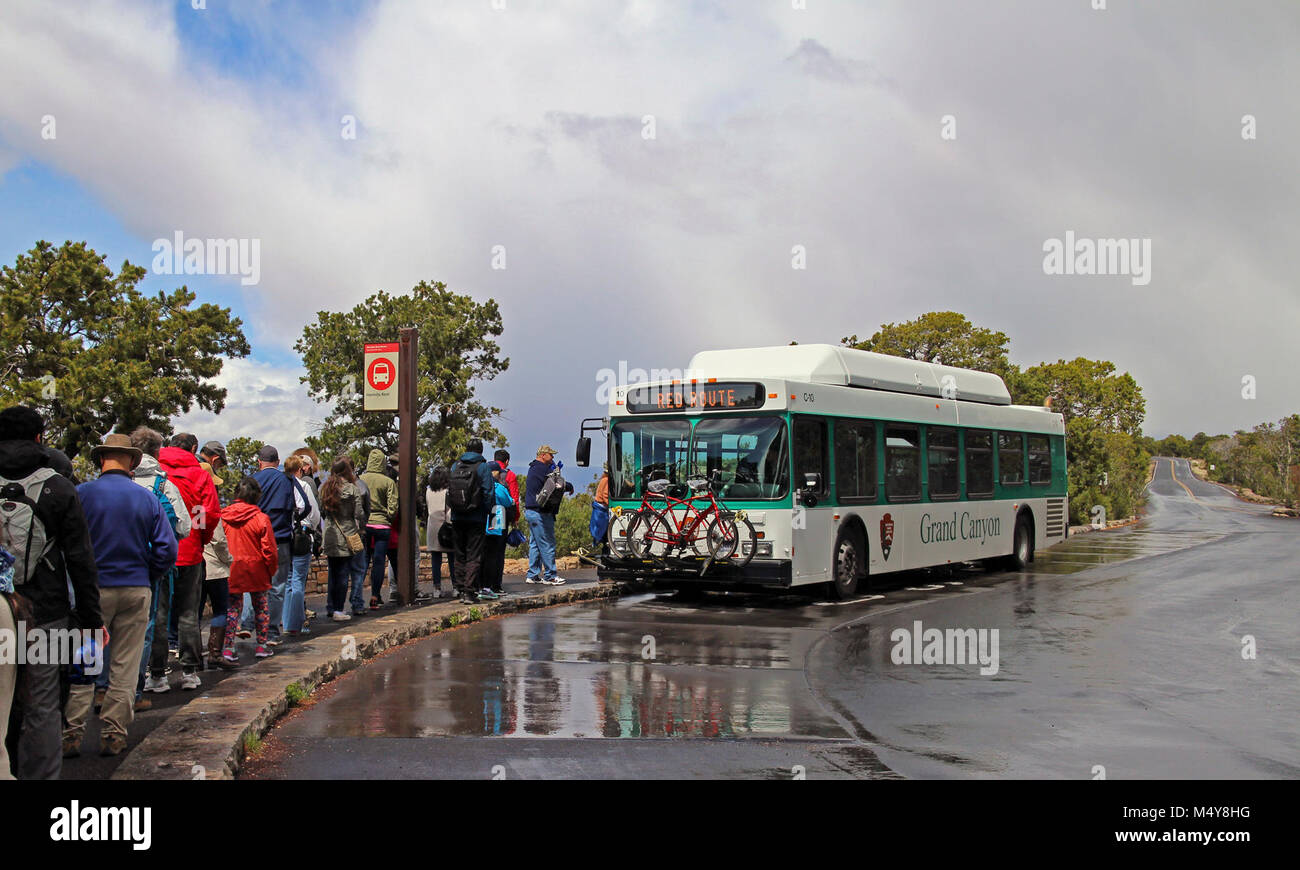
(383, 490)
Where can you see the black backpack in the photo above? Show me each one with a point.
(464, 489)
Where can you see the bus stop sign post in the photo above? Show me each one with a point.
(408, 535)
(391, 386)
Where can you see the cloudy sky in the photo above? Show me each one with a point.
(649, 167)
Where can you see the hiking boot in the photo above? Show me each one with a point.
(71, 747)
(112, 744)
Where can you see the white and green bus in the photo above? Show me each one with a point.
(848, 464)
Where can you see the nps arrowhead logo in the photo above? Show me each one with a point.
(886, 535)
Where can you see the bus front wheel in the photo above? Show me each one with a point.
(848, 565)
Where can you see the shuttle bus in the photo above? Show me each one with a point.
(847, 464)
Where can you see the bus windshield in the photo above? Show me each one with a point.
(748, 456)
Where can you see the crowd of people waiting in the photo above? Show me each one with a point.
(140, 549)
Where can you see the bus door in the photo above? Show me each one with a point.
(812, 520)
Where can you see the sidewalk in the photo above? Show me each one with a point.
(207, 727)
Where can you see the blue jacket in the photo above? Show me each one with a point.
(537, 472)
(485, 480)
(503, 498)
(277, 502)
(130, 534)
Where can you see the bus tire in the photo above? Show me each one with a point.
(1022, 546)
(847, 565)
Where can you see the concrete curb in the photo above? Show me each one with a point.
(205, 739)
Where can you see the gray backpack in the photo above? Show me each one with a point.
(551, 495)
(23, 524)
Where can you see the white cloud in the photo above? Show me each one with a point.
(263, 401)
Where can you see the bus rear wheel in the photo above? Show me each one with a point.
(1022, 547)
(848, 565)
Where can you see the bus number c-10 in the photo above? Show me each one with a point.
(808, 397)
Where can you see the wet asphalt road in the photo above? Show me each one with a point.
(1120, 650)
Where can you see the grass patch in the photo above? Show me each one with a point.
(453, 620)
(475, 614)
(252, 744)
(295, 693)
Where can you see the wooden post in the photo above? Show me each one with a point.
(408, 536)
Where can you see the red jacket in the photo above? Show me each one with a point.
(512, 484)
(252, 548)
(196, 488)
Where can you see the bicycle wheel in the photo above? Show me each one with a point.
(732, 541)
(650, 536)
(698, 542)
(620, 524)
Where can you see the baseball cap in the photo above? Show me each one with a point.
(268, 454)
(215, 448)
(546, 448)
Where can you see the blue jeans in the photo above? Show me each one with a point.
(275, 598)
(294, 599)
(357, 568)
(541, 544)
(377, 543)
(435, 559)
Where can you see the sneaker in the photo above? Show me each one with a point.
(228, 656)
(468, 598)
(557, 581)
(487, 594)
(376, 602)
(311, 614)
(534, 580)
(156, 684)
(190, 681)
(143, 704)
(446, 593)
(243, 634)
(71, 747)
(340, 616)
(112, 744)
(274, 640)
(263, 653)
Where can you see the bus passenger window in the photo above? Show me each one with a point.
(979, 463)
(1011, 458)
(941, 445)
(855, 460)
(1040, 460)
(902, 463)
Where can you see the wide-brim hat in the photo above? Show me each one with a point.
(216, 480)
(116, 443)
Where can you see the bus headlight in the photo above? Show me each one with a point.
(764, 548)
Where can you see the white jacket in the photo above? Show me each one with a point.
(145, 474)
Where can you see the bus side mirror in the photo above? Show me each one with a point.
(582, 455)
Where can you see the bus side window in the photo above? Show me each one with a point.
(1040, 460)
(979, 463)
(1011, 458)
(810, 452)
(941, 444)
(855, 460)
(902, 463)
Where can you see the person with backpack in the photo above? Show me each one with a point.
(470, 493)
(150, 475)
(439, 538)
(360, 566)
(494, 545)
(511, 480)
(544, 491)
(43, 528)
(200, 495)
(134, 546)
(255, 560)
(340, 503)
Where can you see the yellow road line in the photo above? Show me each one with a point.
(1221, 507)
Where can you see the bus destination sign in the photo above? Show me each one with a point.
(694, 397)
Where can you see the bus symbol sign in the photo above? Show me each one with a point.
(886, 535)
(381, 376)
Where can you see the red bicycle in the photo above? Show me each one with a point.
(681, 526)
